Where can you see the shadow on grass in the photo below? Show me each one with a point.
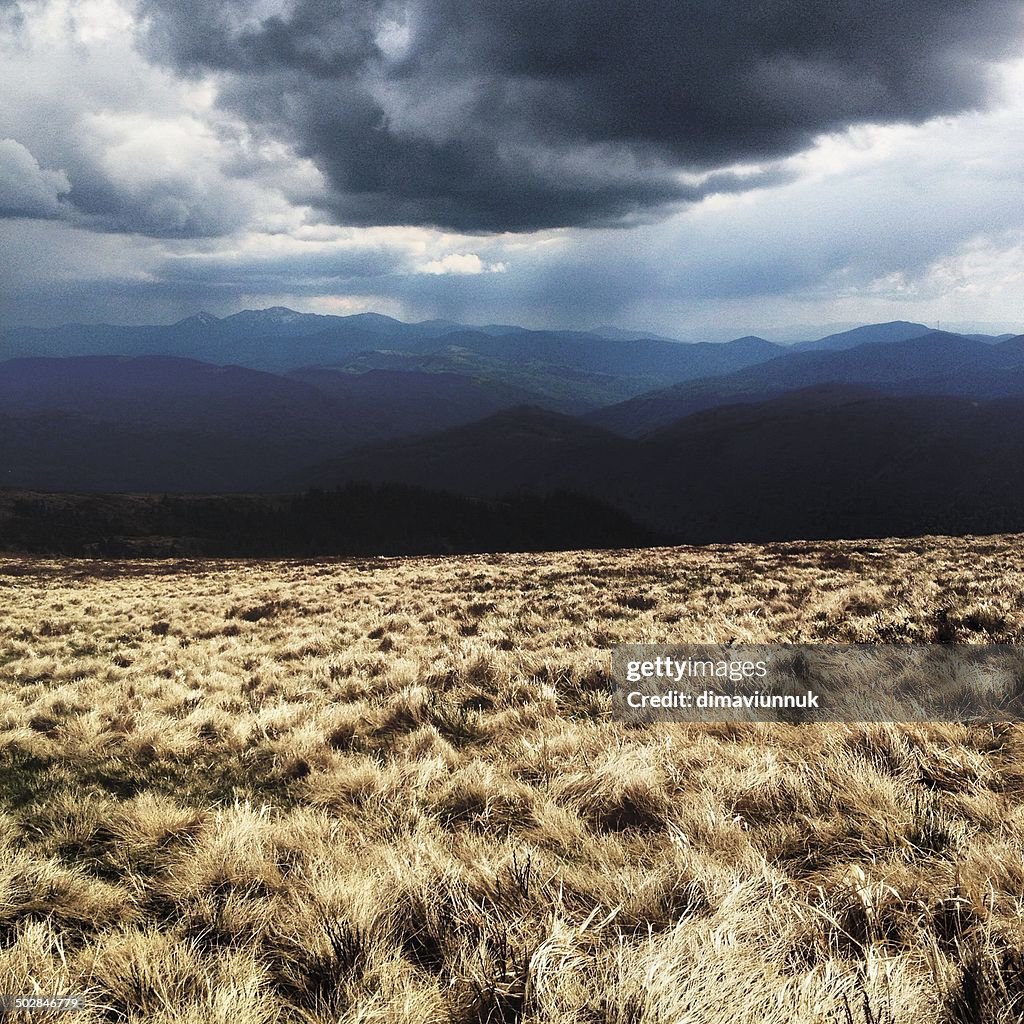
(203, 780)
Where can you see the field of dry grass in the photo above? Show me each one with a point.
(391, 791)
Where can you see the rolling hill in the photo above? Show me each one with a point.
(522, 449)
(163, 423)
(830, 461)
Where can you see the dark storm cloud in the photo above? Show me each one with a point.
(488, 115)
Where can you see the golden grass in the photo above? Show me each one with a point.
(390, 790)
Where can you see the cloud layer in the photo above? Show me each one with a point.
(685, 168)
(484, 115)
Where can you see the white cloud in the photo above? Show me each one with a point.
(141, 150)
(462, 263)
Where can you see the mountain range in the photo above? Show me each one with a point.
(935, 363)
(884, 429)
(570, 370)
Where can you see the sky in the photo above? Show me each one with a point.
(685, 167)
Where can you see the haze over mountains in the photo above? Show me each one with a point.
(888, 428)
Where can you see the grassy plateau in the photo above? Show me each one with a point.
(390, 790)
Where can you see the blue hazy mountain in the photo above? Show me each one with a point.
(576, 370)
(896, 330)
(936, 363)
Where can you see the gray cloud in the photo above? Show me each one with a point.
(26, 189)
(481, 115)
(171, 206)
(314, 273)
(10, 16)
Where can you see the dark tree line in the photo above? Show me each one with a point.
(357, 519)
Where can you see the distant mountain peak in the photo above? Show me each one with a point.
(532, 419)
(200, 319)
(278, 314)
(893, 331)
(620, 334)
